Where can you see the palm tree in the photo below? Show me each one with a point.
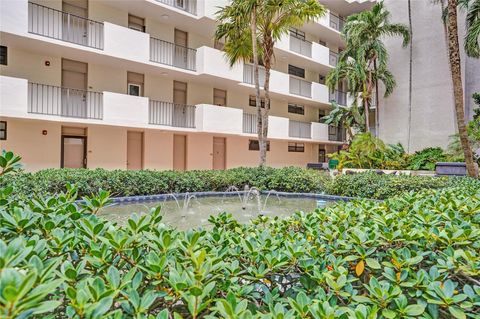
(472, 22)
(349, 118)
(250, 29)
(364, 33)
(410, 75)
(360, 78)
(472, 38)
(455, 68)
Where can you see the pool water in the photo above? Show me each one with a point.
(180, 214)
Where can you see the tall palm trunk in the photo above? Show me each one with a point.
(377, 103)
(410, 77)
(454, 56)
(258, 101)
(267, 63)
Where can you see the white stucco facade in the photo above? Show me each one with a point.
(180, 73)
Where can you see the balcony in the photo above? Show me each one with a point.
(249, 123)
(189, 6)
(64, 26)
(339, 97)
(336, 22)
(172, 54)
(218, 119)
(300, 87)
(336, 134)
(301, 46)
(300, 129)
(65, 102)
(248, 74)
(171, 114)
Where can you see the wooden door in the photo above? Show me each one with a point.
(179, 152)
(73, 152)
(219, 149)
(181, 48)
(134, 150)
(180, 101)
(74, 88)
(75, 23)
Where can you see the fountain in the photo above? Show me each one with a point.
(244, 204)
(268, 196)
(186, 202)
(246, 195)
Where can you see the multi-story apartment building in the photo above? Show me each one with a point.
(141, 84)
(428, 118)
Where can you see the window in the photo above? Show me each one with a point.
(3, 130)
(296, 147)
(219, 97)
(293, 70)
(322, 156)
(3, 55)
(296, 109)
(135, 83)
(297, 33)
(136, 23)
(253, 145)
(252, 101)
(321, 79)
(134, 89)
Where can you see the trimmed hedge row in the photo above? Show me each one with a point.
(130, 183)
(373, 185)
(290, 179)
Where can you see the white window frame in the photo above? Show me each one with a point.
(139, 86)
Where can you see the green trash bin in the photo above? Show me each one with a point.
(332, 164)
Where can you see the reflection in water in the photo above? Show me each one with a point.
(197, 212)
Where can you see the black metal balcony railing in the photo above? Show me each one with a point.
(60, 101)
(64, 26)
(301, 46)
(339, 97)
(336, 134)
(333, 58)
(171, 114)
(172, 54)
(336, 22)
(189, 6)
(300, 87)
(299, 129)
(249, 123)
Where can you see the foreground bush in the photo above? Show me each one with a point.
(414, 256)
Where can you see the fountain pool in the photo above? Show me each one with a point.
(188, 210)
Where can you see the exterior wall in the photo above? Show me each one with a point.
(38, 59)
(40, 151)
(432, 111)
(238, 154)
(112, 157)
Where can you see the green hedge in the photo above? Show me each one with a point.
(414, 256)
(373, 185)
(129, 183)
(290, 179)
